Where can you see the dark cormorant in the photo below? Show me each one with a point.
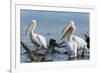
(87, 39)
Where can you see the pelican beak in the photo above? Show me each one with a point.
(69, 29)
(31, 27)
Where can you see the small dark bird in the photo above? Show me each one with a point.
(53, 43)
(87, 39)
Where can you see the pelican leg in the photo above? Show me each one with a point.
(75, 52)
(38, 48)
(75, 49)
(84, 50)
(82, 54)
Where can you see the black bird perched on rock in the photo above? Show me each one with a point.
(87, 39)
(53, 44)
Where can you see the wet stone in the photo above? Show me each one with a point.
(41, 52)
(25, 58)
(48, 57)
(59, 57)
(61, 50)
(56, 57)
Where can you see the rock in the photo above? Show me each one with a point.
(56, 57)
(61, 50)
(41, 52)
(83, 54)
(25, 58)
(59, 57)
(48, 57)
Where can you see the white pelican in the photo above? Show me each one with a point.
(37, 39)
(73, 41)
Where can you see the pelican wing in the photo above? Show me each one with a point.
(35, 40)
(42, 40)
(80, 42)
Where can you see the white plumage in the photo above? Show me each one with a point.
(72, 40)
(73, 45)
(81, 43)
(37, 39)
